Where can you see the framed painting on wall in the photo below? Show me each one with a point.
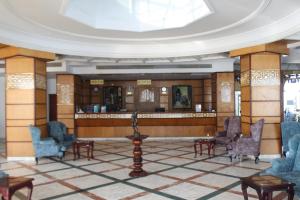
(182, 96)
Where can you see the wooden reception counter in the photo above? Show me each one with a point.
(152, 124)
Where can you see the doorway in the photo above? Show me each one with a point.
(52, 107)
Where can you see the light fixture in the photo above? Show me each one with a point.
(164, 90)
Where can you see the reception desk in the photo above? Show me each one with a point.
(152, 124)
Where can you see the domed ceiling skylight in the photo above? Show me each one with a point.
(135, 15)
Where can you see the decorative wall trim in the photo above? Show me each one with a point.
(40, 82)
(245, 78)
(65, 93)
(265, 77)
(148, 139)
(144, 116)
(261, 77)
(20, 81)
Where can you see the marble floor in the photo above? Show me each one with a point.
(174, 173)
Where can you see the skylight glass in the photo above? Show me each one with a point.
(136, 15)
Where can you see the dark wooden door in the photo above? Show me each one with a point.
(52, 107)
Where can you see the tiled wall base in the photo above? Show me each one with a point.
(20, 159)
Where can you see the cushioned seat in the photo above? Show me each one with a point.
(288, 168)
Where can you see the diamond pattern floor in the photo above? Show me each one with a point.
(174, 173)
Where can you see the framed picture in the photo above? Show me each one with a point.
(182, 96)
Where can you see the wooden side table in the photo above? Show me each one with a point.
(209, 141)
(265, 185)
(87, 144)
(9, 185)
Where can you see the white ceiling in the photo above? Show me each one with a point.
(233, 24)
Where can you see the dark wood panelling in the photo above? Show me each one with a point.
(147, 122)
(92, 97)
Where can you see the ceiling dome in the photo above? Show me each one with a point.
(135, 15)
(119, 29)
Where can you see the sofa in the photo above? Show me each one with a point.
(288, 130)
(288, 168)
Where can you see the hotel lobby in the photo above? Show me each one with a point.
(150, 99)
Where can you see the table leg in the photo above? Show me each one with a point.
(259, 194)
(5, 194)
(244, 189)
(195, 149)
(92, 150)
(200, 148)
(78, 151)
(88, 152)
(290, 192)
(30, 187)
(74, 150)
(208, 148)
(267, 195)
(213, 147)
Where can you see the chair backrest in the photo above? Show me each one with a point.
(256, 130)
(35, 134)
(234, 126)
(226, 122)
(57, 130)
(288, 130)
(294, 151)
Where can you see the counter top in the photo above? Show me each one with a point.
(143, 115)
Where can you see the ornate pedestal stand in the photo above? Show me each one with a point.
(137, 156)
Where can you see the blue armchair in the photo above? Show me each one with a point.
(288, 130)
(45, 147)
(58, 131)
(289, 168)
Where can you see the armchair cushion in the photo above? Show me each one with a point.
(280, 165)
(47, 141)
(221, 134)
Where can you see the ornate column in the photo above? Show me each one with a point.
(261, 91)
(26, 98)
(223, 90)
(65, 84)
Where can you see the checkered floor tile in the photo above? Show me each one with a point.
(174, 173)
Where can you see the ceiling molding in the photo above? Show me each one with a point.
(17, 31)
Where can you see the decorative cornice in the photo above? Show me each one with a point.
(11, 34)
(143, 115)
